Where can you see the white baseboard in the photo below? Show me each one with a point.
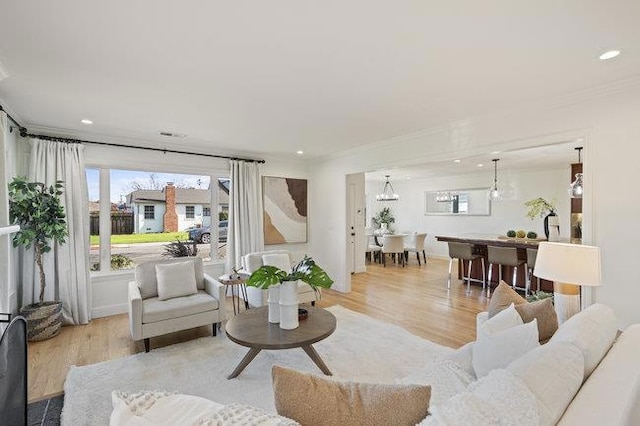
(107, 311)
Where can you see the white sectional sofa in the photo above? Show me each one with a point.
(585, 375)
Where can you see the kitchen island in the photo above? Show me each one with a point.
(480, 243)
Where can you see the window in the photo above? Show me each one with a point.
(149, 212)
(190, 212)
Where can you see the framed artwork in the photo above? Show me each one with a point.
(285, 210)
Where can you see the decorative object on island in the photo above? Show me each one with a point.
(38, 210)
(576, 188)
(511, 233)
(494, 193)
(387, 194)
(569, 266)
(286, 283)
(543, 208)
(382, 220)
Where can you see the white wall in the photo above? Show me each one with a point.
(507, 214)
(608, 120)
(142, 225)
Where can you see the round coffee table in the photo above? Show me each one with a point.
(251, 329)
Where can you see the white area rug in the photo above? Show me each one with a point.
(361, 348)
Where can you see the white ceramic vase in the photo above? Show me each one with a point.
(289, 305)
(273, 302)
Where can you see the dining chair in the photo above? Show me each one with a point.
(393, 244)
(415, 244)
(372, 251)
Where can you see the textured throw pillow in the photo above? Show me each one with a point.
(553, 373)
(503, 320)
(312, 400)
(592, 331)
(502, 297)
(543, 311)
(279, 260)
(176, 280)
(498, 349)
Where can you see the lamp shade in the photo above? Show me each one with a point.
(568, 263)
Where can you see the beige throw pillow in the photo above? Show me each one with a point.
(502, 297)
(543, 311)
(312, 400)
(176, 280)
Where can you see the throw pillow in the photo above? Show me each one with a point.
(279, 260)
(499, 349)
(503, 320)
(592, 331)
(176, 280)
(502, 297)
(553, 373)
(543, 311)
(312, 400)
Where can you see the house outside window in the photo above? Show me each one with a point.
(149, 212)
(190, 212)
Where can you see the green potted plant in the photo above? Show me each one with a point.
(38, 210)
(283, 288)
(383, 220)
(539, 207)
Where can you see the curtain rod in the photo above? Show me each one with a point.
(24, 133)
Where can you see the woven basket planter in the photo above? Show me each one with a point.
(43, 321)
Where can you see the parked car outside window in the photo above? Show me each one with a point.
(203, 235)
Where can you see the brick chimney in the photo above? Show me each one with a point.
(170, 219)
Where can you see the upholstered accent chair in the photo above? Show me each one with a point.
(172, 295)
(281, 259)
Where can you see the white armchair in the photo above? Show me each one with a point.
(258, 297)
(172, 295)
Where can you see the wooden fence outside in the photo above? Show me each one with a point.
(121, 223)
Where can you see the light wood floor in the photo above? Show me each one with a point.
(414, 297)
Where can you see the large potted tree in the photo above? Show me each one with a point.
(38, 210)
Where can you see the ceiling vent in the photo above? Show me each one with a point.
(173, 135)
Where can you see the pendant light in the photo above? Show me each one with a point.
(387, 193)
(494, 193)
(576, 189)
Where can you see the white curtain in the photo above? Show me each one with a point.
(245, 212)
(67, 266)
(5, 263)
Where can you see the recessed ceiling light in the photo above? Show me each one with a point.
(299, 152)
(480, 165)
(408, 177)
(456, 161)
(86, 121)
(609, 54)
(495, 152)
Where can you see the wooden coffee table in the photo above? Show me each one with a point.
(251, 329)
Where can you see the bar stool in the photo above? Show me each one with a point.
(506, 256)
(532, 254)
(464, 251)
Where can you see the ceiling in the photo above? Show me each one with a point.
(546, 157)
(276, 77)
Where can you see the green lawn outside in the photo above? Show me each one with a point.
(161, 237)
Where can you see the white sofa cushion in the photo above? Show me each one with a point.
(147, 280)
(553, 373)
(279, 260)
(610, 396)
(176, 280)
(498, 349)
(253, 261)
(154, 310)
(593, 331)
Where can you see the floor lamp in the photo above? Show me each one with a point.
(569, 266)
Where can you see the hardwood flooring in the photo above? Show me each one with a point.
(414, 297)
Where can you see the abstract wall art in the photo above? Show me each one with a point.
(285, 210)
